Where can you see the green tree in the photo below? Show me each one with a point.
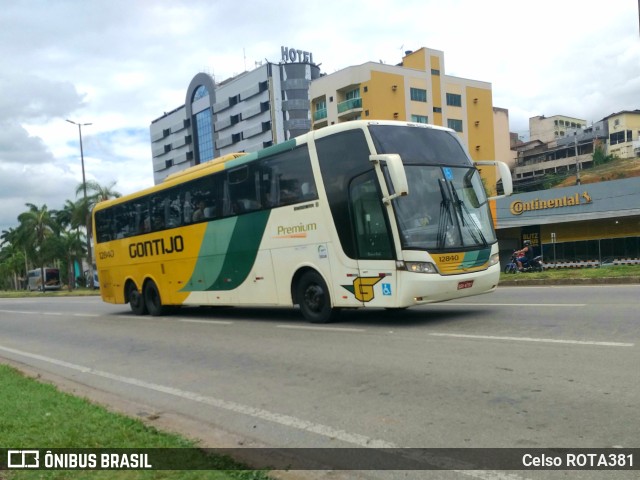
(12, 266)
(37, 227)
(13, 245)
(70, 245)
(599, 157)
(72, 215)
(93, 193)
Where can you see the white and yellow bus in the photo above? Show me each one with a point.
(361, 214)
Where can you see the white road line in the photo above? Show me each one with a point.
(321, 329)
(209, 322)
(572, 305)
(285, 420)
(540, 340)
(57, 314)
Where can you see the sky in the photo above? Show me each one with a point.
(120, 64)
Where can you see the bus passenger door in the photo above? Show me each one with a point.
(376, 282)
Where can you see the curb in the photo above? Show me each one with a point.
(525, 282)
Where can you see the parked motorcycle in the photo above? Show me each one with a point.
(534, 265)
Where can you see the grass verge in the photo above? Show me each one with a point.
(618, 271)
(38, 415)
(78, 292)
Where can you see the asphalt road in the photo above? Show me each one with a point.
(529, 367)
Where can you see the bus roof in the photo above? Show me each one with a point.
(204, 166)
(236, 159)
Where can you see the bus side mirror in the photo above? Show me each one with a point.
(397, 174)
(504, 174)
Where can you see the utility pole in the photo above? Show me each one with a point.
(84, 188)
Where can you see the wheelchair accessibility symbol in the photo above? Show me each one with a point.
(386, 289)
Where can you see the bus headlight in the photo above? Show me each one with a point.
(417, 267)
(495, 259)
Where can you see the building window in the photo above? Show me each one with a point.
(454, 100)
(435, 72)
(200, 92)
(418, 94)
(455, 124)
(205, 136)
(419, 118)
(353, 94)
(616, 138)
(437, 109)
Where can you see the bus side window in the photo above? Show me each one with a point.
(372, 234)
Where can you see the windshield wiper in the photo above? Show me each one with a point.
(464, 213)
(445, 214)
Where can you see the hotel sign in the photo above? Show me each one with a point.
(292, 55)
(518, 207)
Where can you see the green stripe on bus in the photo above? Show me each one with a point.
(228, 252)
(475, 258)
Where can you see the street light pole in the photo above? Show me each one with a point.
(84, 189)
(575, 138)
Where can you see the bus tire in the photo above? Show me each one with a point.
(152, 299)
(136, 301)
(314, 299)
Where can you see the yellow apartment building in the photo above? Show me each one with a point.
(416, 90)
(624, 133)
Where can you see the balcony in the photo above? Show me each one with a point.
(349, 106)
(319, 114)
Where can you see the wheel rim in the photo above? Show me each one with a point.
(153, 298)
(135, 298)
(314, 297)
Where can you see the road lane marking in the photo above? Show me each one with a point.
(572, 305)
(281, 419)
(322, 329)
(286, 420)
(209, 322)
(57, 314)
(539, 340)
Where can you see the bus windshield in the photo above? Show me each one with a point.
(446, 208)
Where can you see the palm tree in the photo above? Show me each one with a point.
(95, 193)
(38, 225)
(15, 240)
(72, 215)
(71, 247)
(12, 264)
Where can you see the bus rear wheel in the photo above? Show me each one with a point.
(152, 299)
(136, 301)
(314, 299)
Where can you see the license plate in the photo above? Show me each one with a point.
(463, 285)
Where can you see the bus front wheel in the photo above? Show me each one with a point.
(314, 299)
(136, 301)
(152, 299)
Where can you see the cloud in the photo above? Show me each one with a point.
(119, 65)
(28, 97)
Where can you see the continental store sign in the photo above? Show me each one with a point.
(518, 207)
